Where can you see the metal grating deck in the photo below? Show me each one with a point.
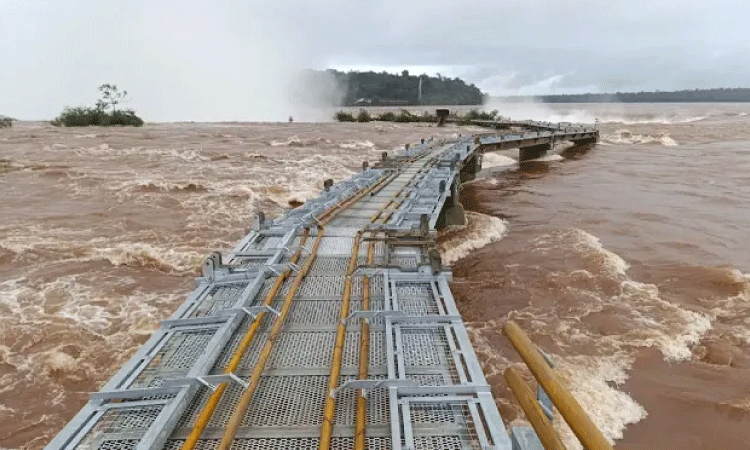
(424, 387)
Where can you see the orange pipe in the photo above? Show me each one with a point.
(580, 422)
(539, 421)
(333, 378)
(239, 412)
(364, 357)
(208, 410)
(237, 415)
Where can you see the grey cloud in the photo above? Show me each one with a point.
(191, 60)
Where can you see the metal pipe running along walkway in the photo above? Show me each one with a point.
(332, 327)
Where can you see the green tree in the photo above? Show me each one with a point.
(111, 97)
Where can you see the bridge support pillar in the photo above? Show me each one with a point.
(453, 211)
(533, 151)
(470, 169)
(580, 142)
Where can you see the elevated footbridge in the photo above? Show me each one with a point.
(331, 327)
(534, 139)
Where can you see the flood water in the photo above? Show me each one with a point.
(628, 261)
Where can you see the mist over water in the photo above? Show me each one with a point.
(627, 260)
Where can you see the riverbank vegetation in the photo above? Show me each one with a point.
(685, 96)
(105, 113)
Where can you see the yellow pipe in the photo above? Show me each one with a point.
(239, 412)
(569, 408)
(330, 406)
(338, 350)
(237, 415)
(338, 207)
(541, 423)
(208, 410)
(364, 355)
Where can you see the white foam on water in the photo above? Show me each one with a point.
(656, 322)
(593, 381)
(295, 141)
(357, 145)
(626, 137)
(479, 231)
(141, 254)
(493, 362)
(107, 153)
(729, 309)
(548, 158)
(659, 120)
(65, 308)
(592, 246)
(638, 315)
(496, 160)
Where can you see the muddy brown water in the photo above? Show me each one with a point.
(627, 261)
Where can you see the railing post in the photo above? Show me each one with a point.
(538, 419)
(584, 429)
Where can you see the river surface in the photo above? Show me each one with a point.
(628, 261)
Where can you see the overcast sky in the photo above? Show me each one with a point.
(219, 60)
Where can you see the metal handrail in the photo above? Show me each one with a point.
(583, 427)
(538, 419)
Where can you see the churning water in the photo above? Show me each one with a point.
(628, 261)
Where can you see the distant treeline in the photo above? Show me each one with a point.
(373, 89)
(696, 95)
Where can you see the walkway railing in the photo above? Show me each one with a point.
(583, 427)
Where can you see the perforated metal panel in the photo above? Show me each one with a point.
(336, 246)
(120, 428)
(285, 443)
(175, 357)
(219, 298)
(449, 416)
(416, 298)
(405, 262)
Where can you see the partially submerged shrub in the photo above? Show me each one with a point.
(100, 115)
(83, 116)
(480, 115)
(363, 116)
(343, 116)
(387, 116)
(404, 116)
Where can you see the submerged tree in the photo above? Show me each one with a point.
(105, 113)
(111, 97)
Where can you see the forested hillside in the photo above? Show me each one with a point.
(373, 88)
(696, 95)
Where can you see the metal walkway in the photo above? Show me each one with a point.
(331, 327)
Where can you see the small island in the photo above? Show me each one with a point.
(104, 113)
